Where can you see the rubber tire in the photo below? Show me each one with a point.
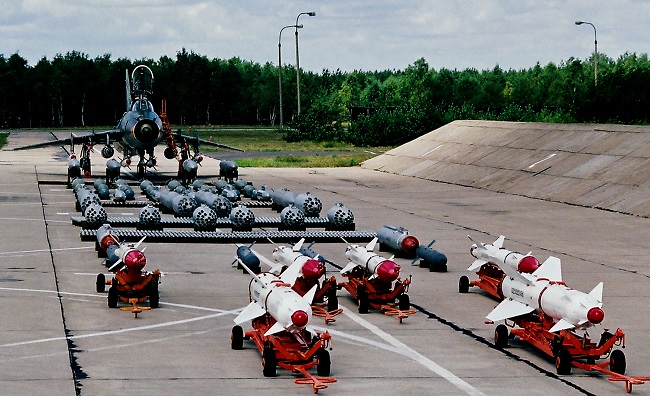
(463, 284)
(362, 299)
(269, 362)
(404, 302)
(563, 362)
(112, 297)
(101, 283)
(237, 338)
(154, 294)
(324, 363)
(617, 362)
(501, 336)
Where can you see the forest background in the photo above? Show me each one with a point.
(363, 108)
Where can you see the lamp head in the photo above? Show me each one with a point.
(311, 13)
(579, 22)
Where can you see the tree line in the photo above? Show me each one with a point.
(362, 107)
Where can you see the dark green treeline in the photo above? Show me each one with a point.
(381, 107)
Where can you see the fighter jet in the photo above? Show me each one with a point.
(139, 131)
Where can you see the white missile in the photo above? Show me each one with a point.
(496, 254)
(545, 292)
(310, 268)
(381, 268)
(272, 294)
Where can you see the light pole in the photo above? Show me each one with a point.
(310, 13)
(280, 67)
(595, 49)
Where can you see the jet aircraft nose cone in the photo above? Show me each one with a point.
(313, 269)
(595, 315)
(388, 271)
(299, 318)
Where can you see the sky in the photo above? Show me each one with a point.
(345, 34)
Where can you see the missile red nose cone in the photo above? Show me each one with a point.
(313, 269)
(299, 318)
(410, 244)
(595, 315)
(528, 265)
(135, 260)
(388, 271)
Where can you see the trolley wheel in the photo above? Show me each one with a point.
(463, 284)
(563, 362)
(617, 361)
(501, 336)
(404, 302)
(237, 338)
(101, 283)
(269, 362)
(323, 363)
(362, 298)
(154, 294)
(112, 296)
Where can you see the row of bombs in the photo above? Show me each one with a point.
(205, 206)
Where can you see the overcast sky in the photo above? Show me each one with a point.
(345, 34)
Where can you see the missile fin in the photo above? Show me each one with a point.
(271, 264)
(291, 274)
(551, 269)
(297, 246)
(371, 246)
(276, 328)
(509, 309)
(499, 242)
(563, 324)
(252, 311)
(478, 263)
(348, 267)
(597, 292)
(310, 294)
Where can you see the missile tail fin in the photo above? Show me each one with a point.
(509, 309)
(348, 268)
(291, 274)
(309, 297)
(276, 328)
(563, 324)
(476, 264)
(252, 311)
(371, 246)
(551, 269)
(297, 246)
(499, 242)
(597, 292)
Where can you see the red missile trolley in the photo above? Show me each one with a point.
(374, 293)
(568, 348)
(325, 303)
(293, 352)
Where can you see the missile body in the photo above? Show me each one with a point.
(377, 267)
(273, 295)
(496, 254)
(398, 239)
(118, 253)
(544, 292)
(310, 268)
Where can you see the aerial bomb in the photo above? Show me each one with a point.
(398, 239)
(242, 218)
(204, 218)
(113, 169)
(218, 203)
(292, 218)
(181, 205)
(149, 216)
(309, 204)
(95, 215)
(340, 217)
(228, 170)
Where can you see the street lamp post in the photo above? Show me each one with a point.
(310, 13)
(595, 49)
(280, 68)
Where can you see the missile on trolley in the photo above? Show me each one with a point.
(273, 295)
(544, 291)
(118, 253)
(496, 254)
(377, 267)
(310, 267)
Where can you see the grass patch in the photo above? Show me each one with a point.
(310, 161)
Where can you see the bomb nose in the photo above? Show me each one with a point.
(299, 318)
(388, 271)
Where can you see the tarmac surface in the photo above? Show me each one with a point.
(58, 337)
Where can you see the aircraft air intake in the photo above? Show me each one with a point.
(146, 131)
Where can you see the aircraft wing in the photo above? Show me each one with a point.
(195, 140)
(92, 138)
